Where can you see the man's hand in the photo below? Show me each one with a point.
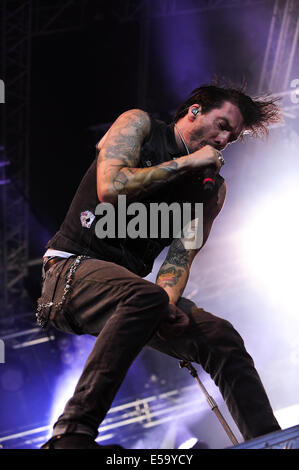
(206, 156)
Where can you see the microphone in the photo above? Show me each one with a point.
(209, 178)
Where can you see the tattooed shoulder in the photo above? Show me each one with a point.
(122, 143)
(132, 123)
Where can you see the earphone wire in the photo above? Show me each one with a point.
(182, 139)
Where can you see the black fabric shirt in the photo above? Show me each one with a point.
(77, 232)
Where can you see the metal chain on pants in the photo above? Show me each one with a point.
(42, 318)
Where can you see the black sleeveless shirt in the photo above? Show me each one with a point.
(77, 233)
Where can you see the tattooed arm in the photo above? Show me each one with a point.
(119, 154)
(174, 272)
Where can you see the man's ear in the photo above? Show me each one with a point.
(194, 111)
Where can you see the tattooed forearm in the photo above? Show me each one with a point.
(135, 182)
(173, 280)
(174, 272)
(169, 275)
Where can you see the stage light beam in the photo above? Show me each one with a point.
(269, 248)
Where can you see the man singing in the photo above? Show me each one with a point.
(94, 285)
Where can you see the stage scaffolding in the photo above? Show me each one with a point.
(21, 21)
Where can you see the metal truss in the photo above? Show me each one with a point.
(15, 62)
(27, 337)
(54, 16)
(136, 417)
(20, 20)
(132, 10)
(281, 47)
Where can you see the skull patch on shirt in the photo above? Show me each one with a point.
(87, 218)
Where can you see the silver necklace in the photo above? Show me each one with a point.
(182, 139)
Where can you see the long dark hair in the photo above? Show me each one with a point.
(257, 112)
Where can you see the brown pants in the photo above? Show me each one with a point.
(124, 312)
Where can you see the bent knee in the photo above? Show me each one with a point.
(229, 335)
(216, 329)
(156, 293)
(149, 292)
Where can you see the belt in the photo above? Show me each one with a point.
(49, 262)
